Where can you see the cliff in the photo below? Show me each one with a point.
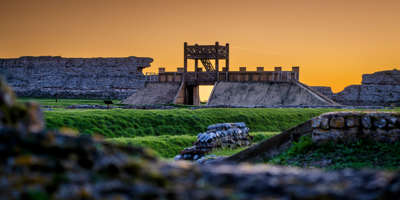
(48, 76)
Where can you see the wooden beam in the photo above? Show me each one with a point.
(227, 57)
(185, 56)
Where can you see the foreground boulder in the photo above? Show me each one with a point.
(38, 164)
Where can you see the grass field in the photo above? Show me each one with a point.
(132, 123)
(168, 146)
(65, 102)
(168, 132)
(360, 154)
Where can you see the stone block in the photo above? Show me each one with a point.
(392, 121)
(366, 122)
(351, 134)
(337, 122)
(321, 136)
(316, 122)
(380, 122)
(352, 121)
(325, 123)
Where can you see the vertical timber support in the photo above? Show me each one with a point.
(296, 71)
(227, 61)
(227, 57)
(196, 95)
(216, 59)
(190, 93)
(185, 56)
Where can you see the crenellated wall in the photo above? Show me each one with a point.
(47, 76)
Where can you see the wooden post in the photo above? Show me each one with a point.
(216, 57)
(196, 61)
(227, 62)
(227, 57)
(185, 56)
(196, 68)
(196, 64)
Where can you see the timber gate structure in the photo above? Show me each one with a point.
(186, 81)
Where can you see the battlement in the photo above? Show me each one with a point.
(209, 78)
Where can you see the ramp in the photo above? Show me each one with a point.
(266, 94)
(154, 93)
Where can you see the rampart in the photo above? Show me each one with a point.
(47, 76)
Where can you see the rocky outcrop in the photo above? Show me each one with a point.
(352, 126)
(225, 135)
(377, 89)
(47, 76)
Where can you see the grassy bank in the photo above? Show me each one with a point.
(168, 146)
(132, 123)
(361, 154)
(64, 102)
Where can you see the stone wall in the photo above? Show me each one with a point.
(224, 135)
(351, 126)
(47, 76)
(327, 91)
(266, 94)
(377, 89)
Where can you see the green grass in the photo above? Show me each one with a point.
(64, 102)
(167, 146)
(360, 154)
(132, 123)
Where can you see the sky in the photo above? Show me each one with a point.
(333, 41)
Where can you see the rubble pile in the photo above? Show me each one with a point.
(223, 135)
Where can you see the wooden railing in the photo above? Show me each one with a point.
(235, 76)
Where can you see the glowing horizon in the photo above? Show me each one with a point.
(333, 42)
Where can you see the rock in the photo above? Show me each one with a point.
(366, 122)
(352, 122)
(320, 136)
(380, 122)
(336, 122)
(392, 122)
(325, 123)
(350, 135)
(316, 122)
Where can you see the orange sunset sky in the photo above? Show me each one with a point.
(333, 41)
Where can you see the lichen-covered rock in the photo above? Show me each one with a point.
(19, 116)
